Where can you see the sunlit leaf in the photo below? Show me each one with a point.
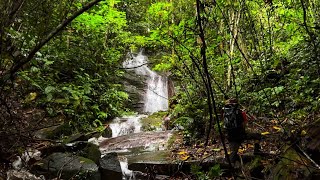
(265, 133)
(276, 128)
(182, 152)
(184, 158)
(303, 132)
(199, 150)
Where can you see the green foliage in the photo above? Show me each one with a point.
(214, 172)
(77, 74)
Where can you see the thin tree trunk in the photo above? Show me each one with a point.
(234, 22)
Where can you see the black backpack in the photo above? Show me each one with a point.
(232, 118)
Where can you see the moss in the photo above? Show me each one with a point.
(291, 166)
(92, 152)
(84, 160)
(154, 120)
(175, 137)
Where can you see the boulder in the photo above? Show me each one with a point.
(54, 132)
(107, 132)
(21, 175)
(66, 166)
(47, 133)
(110, 167)
(91, 151)
(75, 137)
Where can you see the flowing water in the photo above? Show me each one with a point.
(156, 92)
(126, 131)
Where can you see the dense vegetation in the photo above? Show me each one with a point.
(64, 59)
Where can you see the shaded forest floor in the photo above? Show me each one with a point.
(278, 158)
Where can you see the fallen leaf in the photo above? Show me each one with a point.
(250, 146)
(216, 149)
(241, 151)
(274, 121)
(183, 158)
(276, 128)
(303, 132)
(265, 133)
(182, 152)
(199, 150)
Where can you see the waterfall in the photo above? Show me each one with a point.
(155, 98)
(126, 125)
(156, 92)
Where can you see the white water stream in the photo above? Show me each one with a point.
(155, 99)
(156, 92)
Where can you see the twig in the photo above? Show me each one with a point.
(308, 157)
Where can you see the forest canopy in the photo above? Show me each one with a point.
(62, 60)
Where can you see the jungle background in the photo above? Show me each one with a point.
(61, 61)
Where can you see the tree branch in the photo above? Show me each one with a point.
(44, 41)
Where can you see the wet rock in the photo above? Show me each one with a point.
(22, 175)
(159, 163)
(141, 175)
(91, 151)
(47, 133)
(67, 166)
(75, 137)
(107, 132)
(142, 139)
(110, 167)
(135, 87)
(54, 132)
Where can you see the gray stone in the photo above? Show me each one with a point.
(46, 133)
(107, 132)
(21, 175)
(75, 137)
(91, 151)
(67, 166)
(110, 167)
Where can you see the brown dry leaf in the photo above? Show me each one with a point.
(274, 121)
(250, 146)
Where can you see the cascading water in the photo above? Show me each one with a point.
(155, 99)
(156, 96)
(126, 125)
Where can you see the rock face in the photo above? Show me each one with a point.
(110, 167)
(135, 87)
(67, 166)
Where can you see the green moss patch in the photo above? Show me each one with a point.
(153, 121)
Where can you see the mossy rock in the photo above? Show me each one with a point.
(153, 121)
(54, 132)
(291, 166)
(67, 165)
(91, 151)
